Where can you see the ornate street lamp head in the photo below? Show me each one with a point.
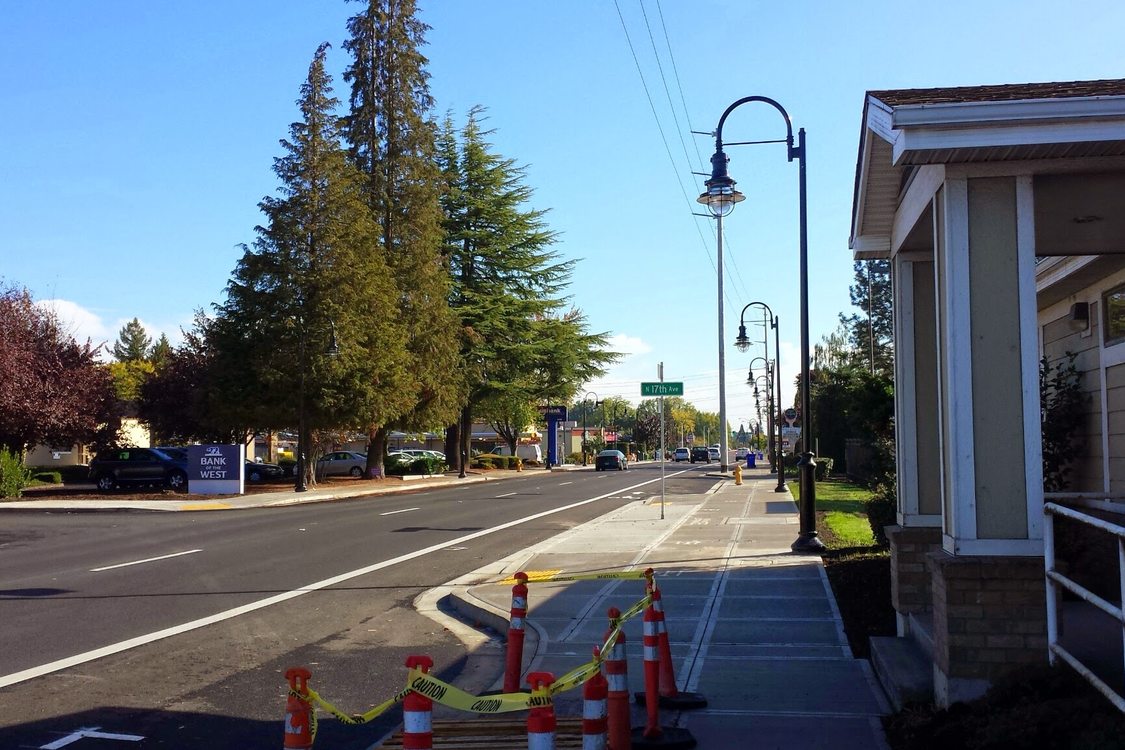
(721, 194)
(742, 343)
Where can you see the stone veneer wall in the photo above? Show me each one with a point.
(989, 616)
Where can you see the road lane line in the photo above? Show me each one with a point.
(564, 484)
(508, 494)
(143, 640)
(146, 560)
(404, 510)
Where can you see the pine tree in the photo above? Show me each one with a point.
(391, 141)
(160, 352)
(871, 331)
(310, 280)
(132, 342)
(507, 282)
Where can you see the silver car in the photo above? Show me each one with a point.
(341, 463)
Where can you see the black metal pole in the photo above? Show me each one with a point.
(776, 434)
(807, 540)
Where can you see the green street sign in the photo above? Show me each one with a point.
(662, 389)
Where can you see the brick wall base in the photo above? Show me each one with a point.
(989, 616)
(911, 587)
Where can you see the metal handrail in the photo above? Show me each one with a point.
(1055, 579)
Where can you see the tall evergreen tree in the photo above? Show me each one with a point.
(309, 281)
(507, 282)
(160, 351)
(871, 329)
(391, 141)
(132, 343)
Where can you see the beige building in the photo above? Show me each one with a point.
(1000, 210)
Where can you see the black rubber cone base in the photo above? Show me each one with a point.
(670, 738)
(682, 701)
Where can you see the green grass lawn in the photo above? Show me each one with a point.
(845, 514)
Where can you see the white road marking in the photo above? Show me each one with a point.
(142, 640)
(564, 484)
(507, 494)
(146, 560)
(91, 733)
(404, 510)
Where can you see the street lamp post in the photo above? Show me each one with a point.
(720, 198)
(742, 343)
(586, 408)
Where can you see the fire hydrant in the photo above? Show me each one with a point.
(738, 473)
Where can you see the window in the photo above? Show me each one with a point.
(1113, 303)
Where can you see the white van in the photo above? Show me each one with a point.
(529, 452)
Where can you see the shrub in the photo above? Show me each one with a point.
(13, 476)
(823, 468)
(427, 465)
(881, 511)
(574, 458)
(47, 477)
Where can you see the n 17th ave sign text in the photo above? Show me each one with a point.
(662, 389)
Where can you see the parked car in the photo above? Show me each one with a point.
(681, 454)
(740, 453)
(713, 453)
(422, 453)
(700, 453)
(611, 459)
(137, 466)
(256, 471)
(341, 463)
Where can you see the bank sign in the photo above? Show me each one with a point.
(216, 469)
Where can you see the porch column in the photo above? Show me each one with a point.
(918, 444)
(988, 593)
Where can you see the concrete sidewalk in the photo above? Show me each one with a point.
(753, 626)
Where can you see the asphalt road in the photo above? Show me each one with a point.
(178, 627)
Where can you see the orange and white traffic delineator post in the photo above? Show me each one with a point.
(618, 721)
(652, 674)
(514, 657)
(541, 722)
(417, 711)
(670, 696)
(594, 720)
(300, 716)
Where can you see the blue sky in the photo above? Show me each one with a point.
(138, 139)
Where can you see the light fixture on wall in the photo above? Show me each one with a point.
(1079, 316)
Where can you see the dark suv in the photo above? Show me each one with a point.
(135, 466)
(700, 453)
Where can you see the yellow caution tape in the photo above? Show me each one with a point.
(576, 677)
(355, 719)
(448, 695)
(636, 608)
(551, 576)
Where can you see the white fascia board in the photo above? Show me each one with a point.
(860, 209)
(935, 138)
(970, 113)
(870, 247)
(880, 119)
